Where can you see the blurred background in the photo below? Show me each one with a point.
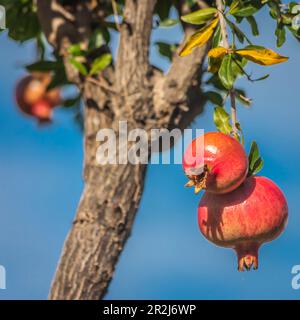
(166, 257)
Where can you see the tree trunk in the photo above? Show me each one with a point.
(103, 223)
(133, 91)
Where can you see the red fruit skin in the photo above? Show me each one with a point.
(42, 110)
(245, 218)
(224, 157)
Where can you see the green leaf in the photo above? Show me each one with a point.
(214, 97)
(79, 66)
(238, 64)
(72, 102)
(214, 64)
(21, 20)
(200, 16)
(217, 37)
(222, 120)
(292, 4)
(238, 32)
(168, 22)
(43, 66)
(287, 19)
(162, 9)
(99, 38)
(280, 34)
(255, 160)
(274, 10)
(75, 50)
(59, 79)
(241, 136)
(254, 153)
(190, 3)
(215, 81)
(241, 8)
(295, 33)
(262, 78)
(166, 49)
(253, 24)
(258, 166)
(226, 73)
(238, 19)
(101, 63)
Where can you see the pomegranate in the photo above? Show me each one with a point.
(215, 162)
(244, 219)
(33, 98)
(42, 110)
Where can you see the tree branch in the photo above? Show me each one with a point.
(224, 32)
(178, 96)
(132, 64)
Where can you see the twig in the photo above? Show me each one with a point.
(66, 14)
(100, 84)
(224, 33)
(116, 16)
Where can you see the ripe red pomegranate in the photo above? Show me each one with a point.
(215, 162)
(244, 219)
(42, 110)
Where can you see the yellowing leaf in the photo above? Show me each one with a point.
(261, 55)
(199, 38)
(217, 53)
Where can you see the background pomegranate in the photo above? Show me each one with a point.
(216, 162)
(33, 98)
(245, 218)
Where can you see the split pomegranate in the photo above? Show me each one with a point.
(244, 219)
(215, 162)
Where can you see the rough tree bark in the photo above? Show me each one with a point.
(133, 91)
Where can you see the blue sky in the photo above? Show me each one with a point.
(166, 256)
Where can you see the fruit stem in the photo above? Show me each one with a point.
(233, 112)
(223, 25)
(247, 254)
